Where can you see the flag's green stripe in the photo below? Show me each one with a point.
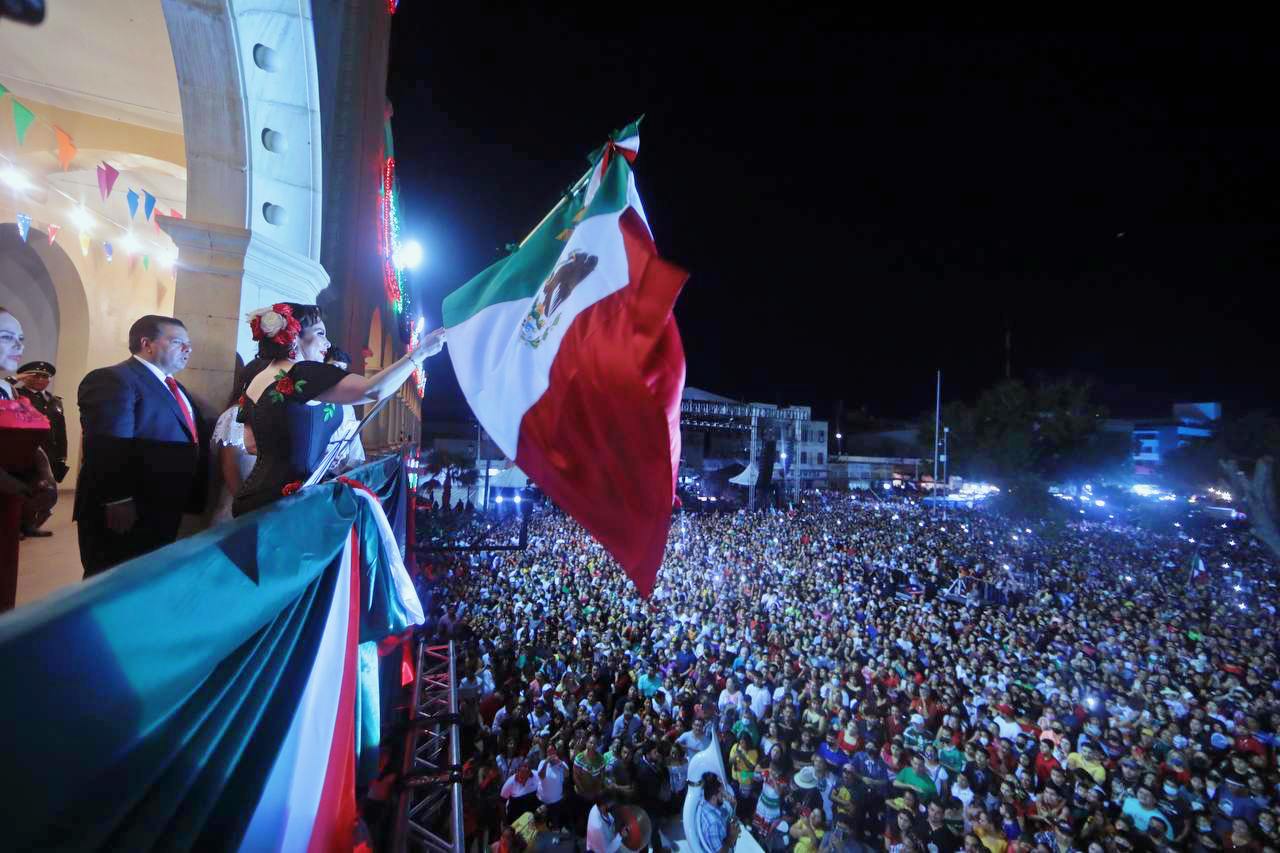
(519, 275)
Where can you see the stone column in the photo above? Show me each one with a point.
(224, 272)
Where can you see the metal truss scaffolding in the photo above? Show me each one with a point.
(429, 812)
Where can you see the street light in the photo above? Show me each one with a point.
(15, 180)
(81, 218)
(408, 256)
(783, 457)
(840, 443)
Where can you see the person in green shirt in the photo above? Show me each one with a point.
(915, 778)
(588, 772)
(747, 725)
(952, 757)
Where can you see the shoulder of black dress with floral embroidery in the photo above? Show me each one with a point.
(284, 386)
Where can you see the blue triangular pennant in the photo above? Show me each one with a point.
(148, 203)
(133, 203)
(106, 248)
(24, 225)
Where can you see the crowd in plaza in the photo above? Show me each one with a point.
(1107, 702)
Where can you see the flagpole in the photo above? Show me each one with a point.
(937, 419)
(581, 182)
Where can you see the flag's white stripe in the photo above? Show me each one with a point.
(500, 373)
(286, 811)
(399, 575)
(475, 345)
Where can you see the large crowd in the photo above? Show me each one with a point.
(1097, 696)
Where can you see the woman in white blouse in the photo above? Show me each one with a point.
(235, 460)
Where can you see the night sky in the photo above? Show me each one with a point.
(857, 209)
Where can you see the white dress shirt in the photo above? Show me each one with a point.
(515, 788)
(159, 374)
(551, 789)
(761, 698)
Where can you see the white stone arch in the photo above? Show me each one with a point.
(27, 292)
(251, 120)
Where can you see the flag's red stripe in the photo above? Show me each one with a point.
(335, 819)
(603, 442)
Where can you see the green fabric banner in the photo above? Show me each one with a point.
(147, 705)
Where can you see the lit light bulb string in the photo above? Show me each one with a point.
(161, 253)
(392, 275)
(390, 236)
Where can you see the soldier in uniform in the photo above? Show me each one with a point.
(32, 382)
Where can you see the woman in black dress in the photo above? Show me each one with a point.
(294, 405)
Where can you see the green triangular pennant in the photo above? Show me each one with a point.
(22, 118)
(146, 262)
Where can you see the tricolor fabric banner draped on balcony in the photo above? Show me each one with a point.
(209, 696)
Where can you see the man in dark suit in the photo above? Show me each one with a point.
(32, 382)
(144, 449)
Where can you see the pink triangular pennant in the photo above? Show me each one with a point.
(175, 214)
(52, 231)
(107, 175)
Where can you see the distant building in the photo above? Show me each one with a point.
(810, 461)
(717, 434)
(1155, 439)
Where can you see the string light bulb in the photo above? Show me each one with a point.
(15, 180)
(81, 218)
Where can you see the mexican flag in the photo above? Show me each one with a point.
(1197, 573)
(569, 355)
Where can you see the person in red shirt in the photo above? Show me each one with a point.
(1025, 723)
(489, 706)
(1175, 767)
(1247, 740)
(1045, 762)
(1002, 759)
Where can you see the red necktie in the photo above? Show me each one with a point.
(182, 404)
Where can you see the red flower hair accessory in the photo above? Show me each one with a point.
(276, 323)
